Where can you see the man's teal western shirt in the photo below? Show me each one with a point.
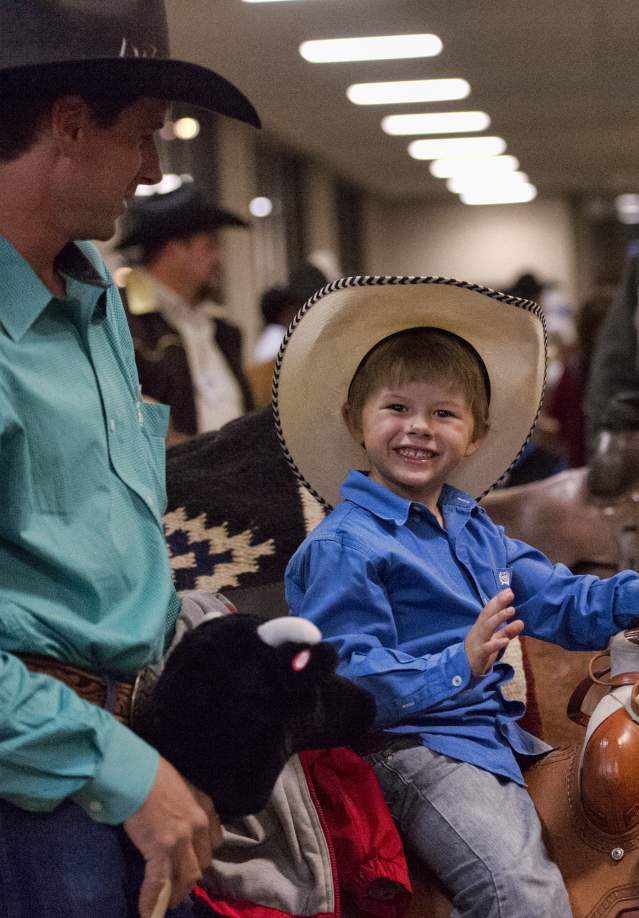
(84, 573)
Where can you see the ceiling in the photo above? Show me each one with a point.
(559, 79)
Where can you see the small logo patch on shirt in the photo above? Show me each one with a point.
(504, 577)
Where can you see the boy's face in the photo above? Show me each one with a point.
(415, 435)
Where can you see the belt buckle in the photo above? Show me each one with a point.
(143, 688)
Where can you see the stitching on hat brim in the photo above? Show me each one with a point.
(393, 280)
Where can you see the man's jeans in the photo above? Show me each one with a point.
(65, 865)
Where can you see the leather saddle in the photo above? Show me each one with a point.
(600, 868)
(587, 796)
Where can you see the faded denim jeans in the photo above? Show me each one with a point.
(477, 832)
(65, 865)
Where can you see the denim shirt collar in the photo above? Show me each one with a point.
(385, 504)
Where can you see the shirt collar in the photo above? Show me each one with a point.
(164, 295)
(359, 489)
(25, 296)
(174, 309)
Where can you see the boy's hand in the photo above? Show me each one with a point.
(484, 640)
(176, 829)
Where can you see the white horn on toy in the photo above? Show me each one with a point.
(280, 630)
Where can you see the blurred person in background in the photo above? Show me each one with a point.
(308, 278)
(189, 356)
(615, 360)
(541, 455)
(527, 286)
(278, 306)
(565, 401)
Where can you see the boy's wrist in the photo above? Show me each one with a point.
(457, 667)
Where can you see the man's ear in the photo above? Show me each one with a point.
(69, 119)
(353, 423)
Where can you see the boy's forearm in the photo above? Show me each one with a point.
(405, 686)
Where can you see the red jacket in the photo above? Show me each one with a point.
(367, 859)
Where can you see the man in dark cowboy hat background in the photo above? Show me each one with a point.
(86, 597)
(188, 355)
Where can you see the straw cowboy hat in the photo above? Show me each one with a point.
(153, 220)
(338, 326)
(116, 46)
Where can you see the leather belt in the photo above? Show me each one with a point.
(115, 696)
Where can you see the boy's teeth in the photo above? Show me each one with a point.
(413, 453)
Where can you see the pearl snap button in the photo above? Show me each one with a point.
(95, 806)
(457, 681)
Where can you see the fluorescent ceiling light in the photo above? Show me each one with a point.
(374, 48)
(627, 203)
(520, 193)
(261, 207)
(628, 217)
(627, 208)
(462, 183)
(464, 146)
(407, 91)
(169, 182)
(462, 165)
(186, 128)
(436, 123)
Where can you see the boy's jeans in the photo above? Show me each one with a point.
(65, 865)
(477, 832)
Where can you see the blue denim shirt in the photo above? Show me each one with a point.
(396, 594)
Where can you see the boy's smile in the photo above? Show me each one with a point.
(415, 435)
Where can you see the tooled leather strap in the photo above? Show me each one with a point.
(598, 677)
(576, 700)
(105, 693)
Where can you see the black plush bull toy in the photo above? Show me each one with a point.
(238, 696)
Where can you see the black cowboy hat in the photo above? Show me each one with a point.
(116, 46)
(154, 220)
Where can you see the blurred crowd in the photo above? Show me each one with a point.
(566, 426)
(191, 355)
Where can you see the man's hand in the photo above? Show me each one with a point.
(484, 640)
(176, 830)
